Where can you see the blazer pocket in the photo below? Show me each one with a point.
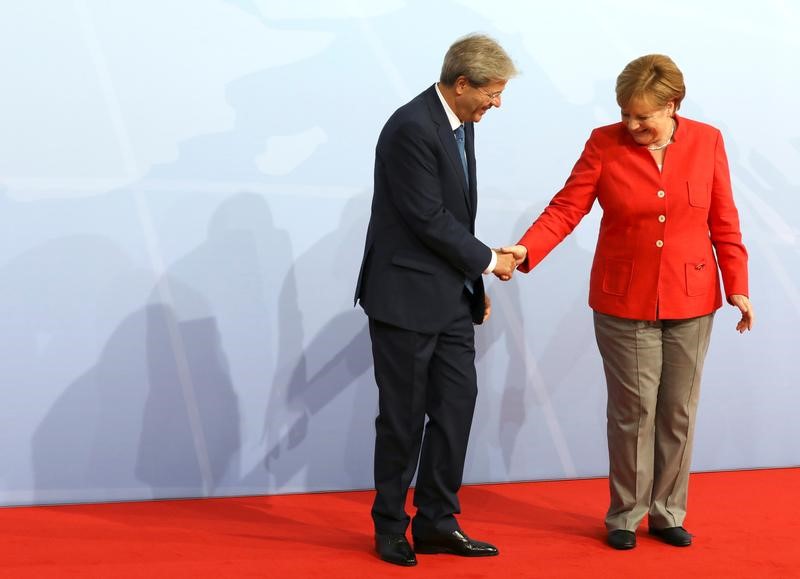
(411, 263)
(698, 276)
(699, 194)
(617, 276)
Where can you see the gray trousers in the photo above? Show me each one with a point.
(653, 374)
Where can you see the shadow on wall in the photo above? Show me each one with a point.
(190, 422)
(326, 377)
(538, 366)
(211, 362)
(126, 416)
(185, 376)
(71, 290)
(159, 406)
(86, 444)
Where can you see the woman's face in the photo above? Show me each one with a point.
(648, 124)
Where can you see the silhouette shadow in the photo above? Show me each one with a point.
(84, 445)
(326, 376)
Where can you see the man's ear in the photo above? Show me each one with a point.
(461, 84)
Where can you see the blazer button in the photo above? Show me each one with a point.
(660, 193)
(659, 243)
(662, 218)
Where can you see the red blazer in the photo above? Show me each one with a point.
(660, 230)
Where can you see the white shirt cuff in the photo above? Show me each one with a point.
(492, 264)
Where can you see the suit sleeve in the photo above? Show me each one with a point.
(412, 170)
(723, 223)
(566, 209)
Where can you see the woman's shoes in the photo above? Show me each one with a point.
(622, 539)
(675, 536)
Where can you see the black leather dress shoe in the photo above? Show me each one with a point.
(622, 539)
(454, 543)
(395, 549)
(675, 536)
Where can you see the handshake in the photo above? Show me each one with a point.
(508, 258)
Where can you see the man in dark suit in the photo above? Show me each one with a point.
(420, 284)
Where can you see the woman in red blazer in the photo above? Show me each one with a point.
(669, 225)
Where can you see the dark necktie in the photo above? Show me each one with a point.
(462, 152)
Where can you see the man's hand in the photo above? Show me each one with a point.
(504, 268)
(520, 252)
(487, 307)
(517, 252)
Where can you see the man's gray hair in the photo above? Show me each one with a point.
(479, 58)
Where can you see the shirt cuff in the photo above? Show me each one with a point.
(490, 268)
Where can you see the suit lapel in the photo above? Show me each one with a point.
(472, 199)
(448, 141)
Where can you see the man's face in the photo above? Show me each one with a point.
(473, 101)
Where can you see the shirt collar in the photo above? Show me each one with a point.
(455, 122)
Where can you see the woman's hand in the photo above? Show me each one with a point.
(518, 252)
(748, 315)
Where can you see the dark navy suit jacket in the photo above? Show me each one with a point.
(420, 244)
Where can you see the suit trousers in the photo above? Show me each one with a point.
(653, 372)
(421, 375)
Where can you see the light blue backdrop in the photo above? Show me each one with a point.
(184, 192)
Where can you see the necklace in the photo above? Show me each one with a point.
(667, 142)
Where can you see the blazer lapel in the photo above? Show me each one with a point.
(676, 153)
(448, 140)
(472, 198)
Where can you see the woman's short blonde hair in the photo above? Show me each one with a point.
(654, 78)
(479, 58)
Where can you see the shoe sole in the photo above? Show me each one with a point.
(425, 550)
(400, 563)
(657, 535)
(622, 547)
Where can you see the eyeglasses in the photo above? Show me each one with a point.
(492, 95)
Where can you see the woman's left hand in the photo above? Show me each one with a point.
(748, 315)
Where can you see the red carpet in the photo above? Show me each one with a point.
(746, 524)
